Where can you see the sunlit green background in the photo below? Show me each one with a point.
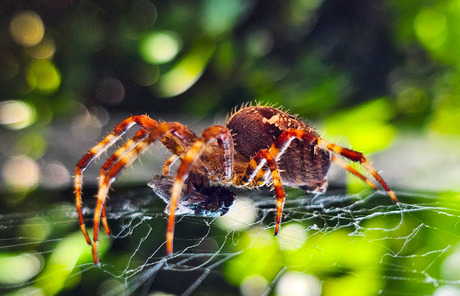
(380, 76)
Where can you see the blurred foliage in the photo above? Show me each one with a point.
(343, 262)
(312, 57)
(361, 69)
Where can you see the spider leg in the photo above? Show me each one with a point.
(269, 157)
(353, 171)
(123, 150)
(359, 158)
(283, 141)
(214, 133)
(104, 221)
(128, 146)
(178, 141)
(262, 158)
(143, 121)
(119, 154)
(108, 179)
(177, 134)
(168, 163)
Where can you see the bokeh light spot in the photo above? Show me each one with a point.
(240, 216)
(35, 228)
(260, 42)
(450, 267)
(298, 284)
(145, 75)
(108, 286)
(44, 50)
(292, 236)
(143, 14)
(160, 47)
(110, 91)
(16, 269)
(253, 285)
(16, 114)
(430, 27)
(29, 290)
(55, 175)
(32, 144)
(27, 28)
(220, 16)
(412, 100)
(58, 271)
(86, 126)
(185, 72)
(21, 173)
(447, 290)
(376, 134)
(261, 256)
(43, 76)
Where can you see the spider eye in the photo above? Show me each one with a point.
(202, 201)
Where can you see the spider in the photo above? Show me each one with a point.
(258, 145)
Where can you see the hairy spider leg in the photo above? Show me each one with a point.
(127, 147)
(143, 121)
(359, 158)
(254, 170)
(109, 178)
(119, 154)
(180, 138)
(262, 158)
(105, 222)
(353, 171)
(168, 163)
(126, 155)
(178, 141)
(283, 141)
(211, 134)
(286, 137)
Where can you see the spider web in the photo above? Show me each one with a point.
(409, 248)
(328, 244)
(352, 220)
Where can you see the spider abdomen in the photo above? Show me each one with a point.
(257, 127)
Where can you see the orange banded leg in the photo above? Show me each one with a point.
(264, 157)
(104, 221)
(168, 163)
(214, 133)
(107, 180)
(128, 146)
(284, 140)
(122, 158)
(143, 121)
(282, 143)
(360, 158)
(353, 171)
(254, 172)
(179, 139)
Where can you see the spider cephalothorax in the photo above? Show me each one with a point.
(259, 145)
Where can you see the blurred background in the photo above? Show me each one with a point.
(381, 77)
